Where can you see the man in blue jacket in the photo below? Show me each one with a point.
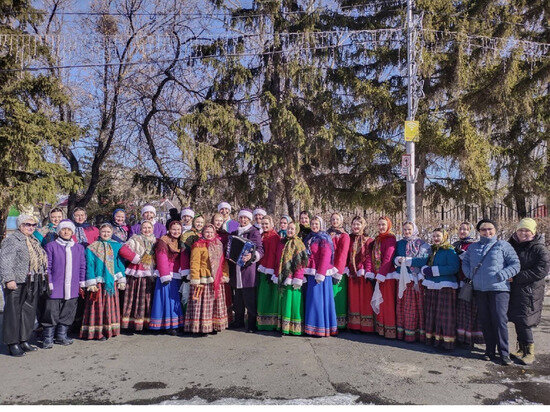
(490, 264)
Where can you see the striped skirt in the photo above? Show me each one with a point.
(206, 314)
(440, 312)
(166, 311)
(360, 313)
(101, 315)
(410, 314)
(468, 327)
(136, 310)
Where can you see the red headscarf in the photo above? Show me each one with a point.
(388, 231)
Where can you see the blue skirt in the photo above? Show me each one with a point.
(166, 311)
(320, 316)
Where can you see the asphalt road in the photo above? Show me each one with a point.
(238, 367)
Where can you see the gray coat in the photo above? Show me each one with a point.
(14, 258)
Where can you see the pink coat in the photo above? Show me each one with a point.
(168, 262)
(387, 250)
(319, 262)
(341, 248)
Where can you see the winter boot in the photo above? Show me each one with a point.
(61, 335)
(528, 354)
(15, 350)
(47, 337)
(27, 347)
(520, 349)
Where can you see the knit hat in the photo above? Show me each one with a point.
(65, 224)
(148, 208)
(259, 211)
(225, 205)
(24, 218)
(529, 224)
(247, 213)
(187, 212)
(484, 220)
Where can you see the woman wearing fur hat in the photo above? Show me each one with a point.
(139, 250)
(23, 265)
(104, 274)
(148, 212)
(66, 275)
(527, 287)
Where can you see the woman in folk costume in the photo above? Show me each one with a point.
(48, 233)
(120, 229)
(380, 265)
(320, 311)
(440, 269)
(206, 308)
(283, 225)
(341, 241)
(217, 222)
(104, 273)
(468, 326)
(360, 288)
(85, 233)
(167, 313)
(305, 228)
(139, 250)
(292, 261)
(410, 295)
(149, 213)
(66, 274)
(189, 235)
(268, 289)
(258, 214)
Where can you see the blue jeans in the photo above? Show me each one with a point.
(492, 308)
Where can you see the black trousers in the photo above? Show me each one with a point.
(58, 311)
(245, 298)
(492, 311)
(524, 332)
(19, 312)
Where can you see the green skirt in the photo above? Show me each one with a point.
(341, 301)
(291, 313)
(268, 303)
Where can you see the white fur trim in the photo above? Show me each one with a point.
(331, 272)
(408, 261)
(206, 281)
(91, 282)
(320, 277)
(148, 208)
(122, 280)
(337, 276)
(369, 275)
(288, 281)
(225, 279)
(361, 273)
(430, 284)
(68, 270)
(392, 275)
(139, 273)
(257, 257)
(65, 224)
(396, 260)
(274, 279)
(195, 281)
(225, 205)
(380, 277)
(136, 259)
(435, 270)
(265, 270)
(187, 212)
(81, 284)
(166, 278)
(50, 286)
(298, 282)
(259, 211)
(246, 213)
(118, 275)
(346, 271)
(184, 273)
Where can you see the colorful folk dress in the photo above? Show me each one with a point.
(268, 289)
(360, 288)
(292, 261)
(206, 307)
(104, 269)
(320, 311)
(341, 241)
(139, 250)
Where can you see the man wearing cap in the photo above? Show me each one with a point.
(66, 275)
(187, 216)
(243, 279)
(148, 212)
(258, 215)
(229, 225)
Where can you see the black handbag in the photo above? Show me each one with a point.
(466, 292)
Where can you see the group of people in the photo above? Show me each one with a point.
(299, 278)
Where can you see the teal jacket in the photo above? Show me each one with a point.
(445, 269)
(97, 270)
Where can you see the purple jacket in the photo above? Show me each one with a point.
(230, 225)
(245, 277)
(65, 288)
(159, 230)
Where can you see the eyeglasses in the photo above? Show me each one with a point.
(30, 224)
(486, 229)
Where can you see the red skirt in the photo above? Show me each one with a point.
(101, 315)
(206, 313)
(385, 320)
(360, 313)
(440, 317)
(136, 311)
(410, 314)
(468, 327)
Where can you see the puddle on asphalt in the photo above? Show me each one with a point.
(140, 386)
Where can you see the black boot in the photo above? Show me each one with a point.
(27, 347)
(15, 350)
(61, 335)
(47, 337)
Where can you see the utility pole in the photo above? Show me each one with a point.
(409, 145)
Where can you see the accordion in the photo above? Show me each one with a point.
(237, 247)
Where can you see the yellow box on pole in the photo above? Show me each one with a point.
(412, 130)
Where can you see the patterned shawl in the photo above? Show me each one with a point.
(434, 248)
(189, 237)
(37, 256)
(358, 253)
(103, 250)
(323, 238)
(80, 234)
(377, 248)
(172, 243)
(293, 258)
(143, 246)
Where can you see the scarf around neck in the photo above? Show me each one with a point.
(358, 253)
(434, 248)
(294, 257)
(172, 243)
(81, 233)
(323, 239)
(38, 260)
(103, 250)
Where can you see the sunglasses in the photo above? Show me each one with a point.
(30, 224)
